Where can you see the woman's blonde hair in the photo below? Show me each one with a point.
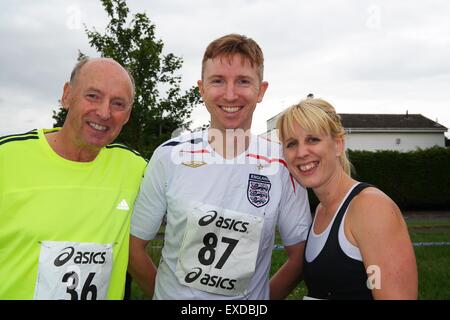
(314, 115)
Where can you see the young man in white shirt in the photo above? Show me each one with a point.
(222, 191)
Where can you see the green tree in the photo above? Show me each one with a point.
(160, 106)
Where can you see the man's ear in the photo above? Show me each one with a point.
(65, 97)
(262, 90)
(200, 87)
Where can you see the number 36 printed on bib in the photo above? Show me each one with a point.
(219, 250)
(73, 271)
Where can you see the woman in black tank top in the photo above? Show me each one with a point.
(358, 246)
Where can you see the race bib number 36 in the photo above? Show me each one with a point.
(73, 271)
(219, 250)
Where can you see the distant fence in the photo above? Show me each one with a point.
(431, 244)
(415, 244)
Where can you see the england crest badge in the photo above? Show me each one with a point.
(258, 190)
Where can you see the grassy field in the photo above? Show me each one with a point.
(433, 261)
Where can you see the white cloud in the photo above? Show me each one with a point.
(363, 56)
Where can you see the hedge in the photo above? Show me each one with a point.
(415, 180)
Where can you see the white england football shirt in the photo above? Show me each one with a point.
(221, 216)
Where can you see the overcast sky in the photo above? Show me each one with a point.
(362, 56)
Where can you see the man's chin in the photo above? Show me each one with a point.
(99, 139)
(97, 144)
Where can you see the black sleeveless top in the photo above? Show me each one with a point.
(333, 274)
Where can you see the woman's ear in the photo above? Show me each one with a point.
(340, 146)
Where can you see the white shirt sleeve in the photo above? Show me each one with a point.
(150, 206)
(295, 215)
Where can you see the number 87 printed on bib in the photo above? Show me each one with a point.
(219, 250)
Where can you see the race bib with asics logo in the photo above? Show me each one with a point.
(73, 271)
(219, 250)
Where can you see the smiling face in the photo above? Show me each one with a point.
(231, 88)
(99, 103)
(312, 157)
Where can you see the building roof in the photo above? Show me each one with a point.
(389, 122)
(369, 122)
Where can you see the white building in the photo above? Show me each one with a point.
(371, 132)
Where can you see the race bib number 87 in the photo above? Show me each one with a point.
(73, 271)
(219, 250)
